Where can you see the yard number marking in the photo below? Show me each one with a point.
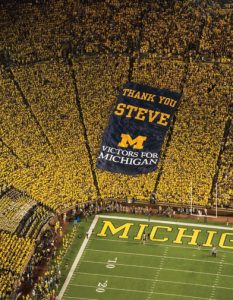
(101, 287)
(111, 264)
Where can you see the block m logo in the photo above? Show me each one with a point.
(127, 141)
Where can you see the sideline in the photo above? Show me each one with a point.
(77, 258)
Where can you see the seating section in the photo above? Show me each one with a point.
(13, 206)
(225, 182)
(116, 26)
(7, 284)
(183, 30)
(174, 35)
(164, 74)
(192, 156)
(9, 163)
(216, 37)
(18, 127)
(21, 214)
(200, 30)
(21, 220)
(58, 121)
(51, 94)
(15, 253)
(33, 222)
(38, 36)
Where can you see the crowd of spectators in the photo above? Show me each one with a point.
(62, 64)
(15, 253)
(7, 284)
(216, 39)
(43, 275)
(13, 206)
(193, 154)
(21, 214)
(50, 91)
(33, 222)
(52, 136)
(200, 29)
(21, 220)
(224, 183)
(23, 135)
(174, 36)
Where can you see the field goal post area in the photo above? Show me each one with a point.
(200, 215)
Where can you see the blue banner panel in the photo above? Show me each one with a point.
(133, 139)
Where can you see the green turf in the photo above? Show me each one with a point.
(74, 247)
(152, 271)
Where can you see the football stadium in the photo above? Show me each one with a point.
(116, 139)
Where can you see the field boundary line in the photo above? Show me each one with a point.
(77, 259)
(160, 256)
(140, 291)
(166, 269)
(165, 222)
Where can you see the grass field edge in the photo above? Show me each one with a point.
(77, 258)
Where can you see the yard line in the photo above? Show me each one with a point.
(144, 292)
(165, 222)
(160, 256)
(166, 269)
(155, 244)
(76, 261)
(194, 284)
(157, 274)
(157, 280)
(117, 276)
(213, 291)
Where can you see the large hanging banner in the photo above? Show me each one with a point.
(133, 139)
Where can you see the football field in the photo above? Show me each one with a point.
(175, 262)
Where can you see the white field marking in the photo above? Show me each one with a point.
(160, 256)
(165, 222)
(217, 277)
(157, 274)
(159, 280)
(163, 245)
(166, 269)
(76, 261)
(117, 276)
(140, 291)
(132, 219)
